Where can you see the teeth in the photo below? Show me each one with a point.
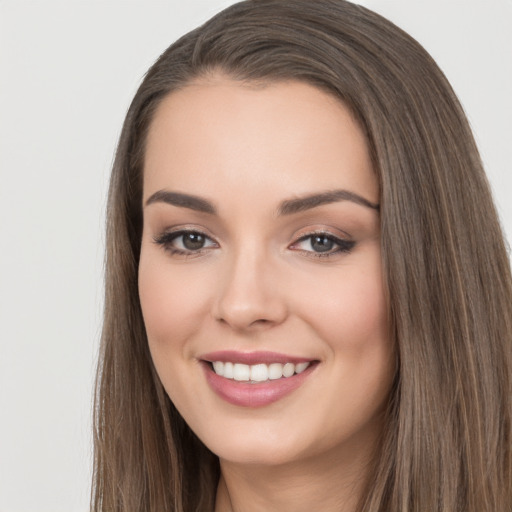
(257, 372)
(275, 371)
(288, 369)
(218, 366)
(299, 368)
(228, 370)
(241, 372)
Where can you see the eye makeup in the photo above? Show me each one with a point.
(193, 242)
(322, 244)
(185, 242)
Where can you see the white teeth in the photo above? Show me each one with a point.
(288, 369)
(218, 366)
(228, 370)
(299, 368)
(275, 371)
(241, 371)
(257, 372)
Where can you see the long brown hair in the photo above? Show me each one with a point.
(447, 443)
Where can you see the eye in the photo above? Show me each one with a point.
(185, 242)
(323, 244)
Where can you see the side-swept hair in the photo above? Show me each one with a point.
(447, 442)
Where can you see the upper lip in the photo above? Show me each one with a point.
(251, 358)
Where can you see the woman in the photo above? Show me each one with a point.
(308, 296)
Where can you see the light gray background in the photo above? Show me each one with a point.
(68, 70)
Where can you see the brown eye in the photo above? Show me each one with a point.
(185, 242)
(322, 243)
(193, 241)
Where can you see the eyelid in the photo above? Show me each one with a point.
(327, 230)
(169, 235)
(184, 228)
(344, 243)
(166, 239)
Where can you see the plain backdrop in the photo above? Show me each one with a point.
(68, 70)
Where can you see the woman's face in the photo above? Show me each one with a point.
(261, 257)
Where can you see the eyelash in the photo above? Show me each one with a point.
(343, 246)
(167, 239)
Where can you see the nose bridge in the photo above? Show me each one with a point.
(248, 294)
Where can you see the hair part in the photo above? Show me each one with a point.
(447, 444)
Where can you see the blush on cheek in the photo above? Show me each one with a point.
(356, 316)
(173, 302)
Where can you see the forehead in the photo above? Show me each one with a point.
(285, 137)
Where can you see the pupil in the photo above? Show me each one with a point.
(322, 244)
(193, 241)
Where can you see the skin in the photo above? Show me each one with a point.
(258, 284)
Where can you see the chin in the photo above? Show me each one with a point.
(260, 454)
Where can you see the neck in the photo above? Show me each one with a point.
(332, 484)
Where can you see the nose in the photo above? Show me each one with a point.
(250, 295)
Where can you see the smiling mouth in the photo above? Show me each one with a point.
(257, 373)
(255, 379)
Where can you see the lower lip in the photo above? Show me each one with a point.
(259, 394)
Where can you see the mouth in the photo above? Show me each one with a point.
(255, 379)
(258, 372)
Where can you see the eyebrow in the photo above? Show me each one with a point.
(288, 207)
(182, 200)
(301, 204)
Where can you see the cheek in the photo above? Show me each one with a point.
(349, 309)
(350, 315)
(175, 306)
(174, 303)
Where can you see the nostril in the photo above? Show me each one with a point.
(261, 321)
(247, 307)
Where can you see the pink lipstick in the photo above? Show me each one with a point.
(255, 379)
